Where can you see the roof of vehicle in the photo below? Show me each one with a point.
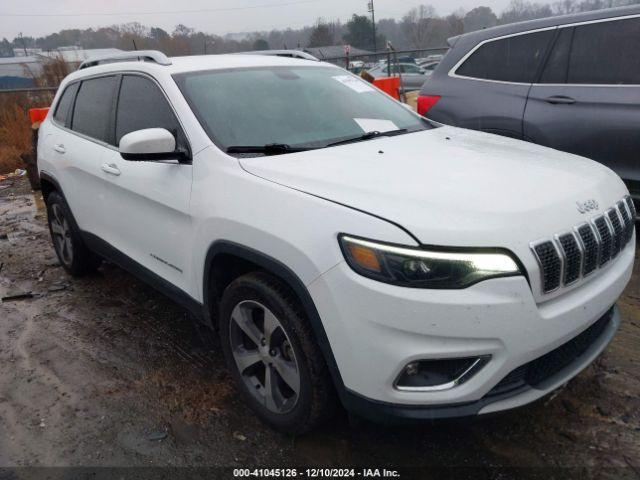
(196, 63)
(399, 63)
(281, 53)
(334, 52)
(473, 38)
(462, 44)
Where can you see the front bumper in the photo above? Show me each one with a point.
(375, 329)
(515, 393)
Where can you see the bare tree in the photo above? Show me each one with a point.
(520, 10)
(322, 34)
(479, 18)
(416, 24)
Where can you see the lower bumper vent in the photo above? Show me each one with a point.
(537, 371)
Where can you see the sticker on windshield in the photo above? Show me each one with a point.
(354, 83)
(375, 125)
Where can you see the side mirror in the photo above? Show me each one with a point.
(149, 144)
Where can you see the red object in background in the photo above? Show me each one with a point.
(425, 102)
(38, 114)
(389, 85)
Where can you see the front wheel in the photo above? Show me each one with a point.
(272, 354)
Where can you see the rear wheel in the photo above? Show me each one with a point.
(72, 253)
(273, 356)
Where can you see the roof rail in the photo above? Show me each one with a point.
(299, 54)
(137, 55)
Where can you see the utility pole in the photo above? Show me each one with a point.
(24, 46)
(372, 11)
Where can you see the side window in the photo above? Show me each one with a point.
(512, 59)
(92, 113)
(65, 103)
(143, 105)
(606, 53)
(557, 66)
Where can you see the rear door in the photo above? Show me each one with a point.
(587, 100)
(148, 201)
(491, 84)
(78, 144)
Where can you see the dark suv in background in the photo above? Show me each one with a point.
(570, 82)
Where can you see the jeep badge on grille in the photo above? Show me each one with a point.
(587, 205)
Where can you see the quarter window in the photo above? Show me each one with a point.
(92, 112)
(511, 59)
(143, 105)
(64, 105)
(606, 53)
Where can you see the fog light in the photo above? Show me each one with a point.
(411, 369)
(440, 374)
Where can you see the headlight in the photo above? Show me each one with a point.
(418, 268)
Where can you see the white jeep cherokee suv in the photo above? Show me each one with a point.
(344, 247)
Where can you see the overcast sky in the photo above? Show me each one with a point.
(229, 16)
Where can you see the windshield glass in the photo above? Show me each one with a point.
(296, 106)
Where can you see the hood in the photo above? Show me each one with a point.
(450, 186)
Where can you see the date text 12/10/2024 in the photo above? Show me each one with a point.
(315, 473)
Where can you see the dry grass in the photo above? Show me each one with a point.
(184, 391)
(53, 72)
(15, 132)
(15, 128)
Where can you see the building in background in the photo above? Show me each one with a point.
(74, 56)
(22, 70)
(19, 72)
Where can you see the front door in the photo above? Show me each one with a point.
(148, 202)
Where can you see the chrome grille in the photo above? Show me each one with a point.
(631, 207)
(590, 246)
(626, 220)
(548, 255)
(572, 257)
(606, 240)
(614, 221)
(577, 253)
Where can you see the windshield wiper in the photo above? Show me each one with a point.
(282, 148)
(269, 149)
(369, 136)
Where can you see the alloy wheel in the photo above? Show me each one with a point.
(61, 232)
(264, 356)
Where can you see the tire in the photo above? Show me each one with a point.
(255, 300)
(73, 254)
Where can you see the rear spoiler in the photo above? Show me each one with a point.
(451, 41)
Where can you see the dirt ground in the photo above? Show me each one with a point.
(105, 372)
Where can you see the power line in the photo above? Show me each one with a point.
(165, 12)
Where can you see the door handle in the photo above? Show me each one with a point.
(560, 100)
(59, 148)
(111, 169)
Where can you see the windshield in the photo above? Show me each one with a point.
(295, 106)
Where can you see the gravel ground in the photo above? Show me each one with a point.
(105, 372)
